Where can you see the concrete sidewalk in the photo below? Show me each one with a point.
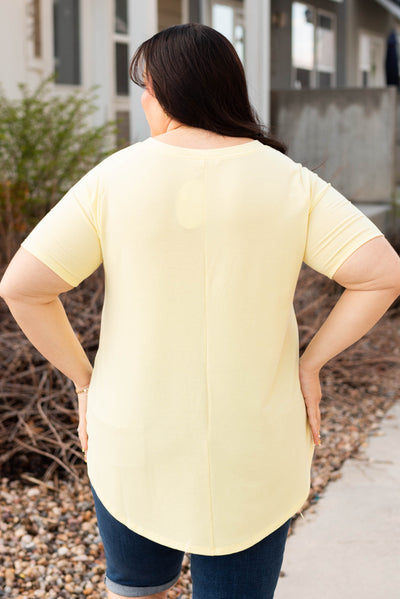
(349, 547)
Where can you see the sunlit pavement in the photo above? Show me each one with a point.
(349, 546)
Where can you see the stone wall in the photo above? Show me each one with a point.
(347, 135)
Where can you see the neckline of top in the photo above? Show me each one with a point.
(225, 151)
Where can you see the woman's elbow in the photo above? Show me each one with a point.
(13, 281)
(13, 286)
(390, 282)
(392, 272)
(375, 266)
(8, 291)
(396, 279)
(5, 289)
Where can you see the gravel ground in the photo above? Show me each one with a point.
(49, 543)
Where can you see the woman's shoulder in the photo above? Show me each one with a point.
(121, 161)
(276, 162)
(122, 155)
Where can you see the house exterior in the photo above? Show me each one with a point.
(292, 51)
(284, 44)
(328, 44)
(330, 100)
(86, 42)
(89, 42)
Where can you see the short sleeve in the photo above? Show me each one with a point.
(67, 239)
(336, 228)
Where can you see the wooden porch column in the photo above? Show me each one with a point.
(257, 55)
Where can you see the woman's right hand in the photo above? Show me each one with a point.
(371, 278)
(311, 390)
(82, 428)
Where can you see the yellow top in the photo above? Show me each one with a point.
(198, 437)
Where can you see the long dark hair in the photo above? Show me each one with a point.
(199, 80)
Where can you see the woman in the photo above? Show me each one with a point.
(194, 418)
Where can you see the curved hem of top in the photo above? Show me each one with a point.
(198, 550)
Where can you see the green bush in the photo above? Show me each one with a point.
(46, 145)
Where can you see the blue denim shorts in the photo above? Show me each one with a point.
(137, 566)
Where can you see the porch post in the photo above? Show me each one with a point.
(97, 56)
(257, 55)
(142, 25)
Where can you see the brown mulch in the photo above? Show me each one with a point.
(49, 545)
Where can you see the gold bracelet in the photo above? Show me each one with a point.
(82, 390)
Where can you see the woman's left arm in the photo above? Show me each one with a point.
(31, 291)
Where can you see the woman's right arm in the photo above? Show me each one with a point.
(371, 278)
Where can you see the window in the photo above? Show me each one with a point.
(121, 39)
(302, 44)
(121, 59)
(34, 30)
(228, 19)
(67, 41)
(325, 51)
(37, 37)
(121, 16)
(313, 47)
(194, 10)
(371, 60)
(121, 77)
